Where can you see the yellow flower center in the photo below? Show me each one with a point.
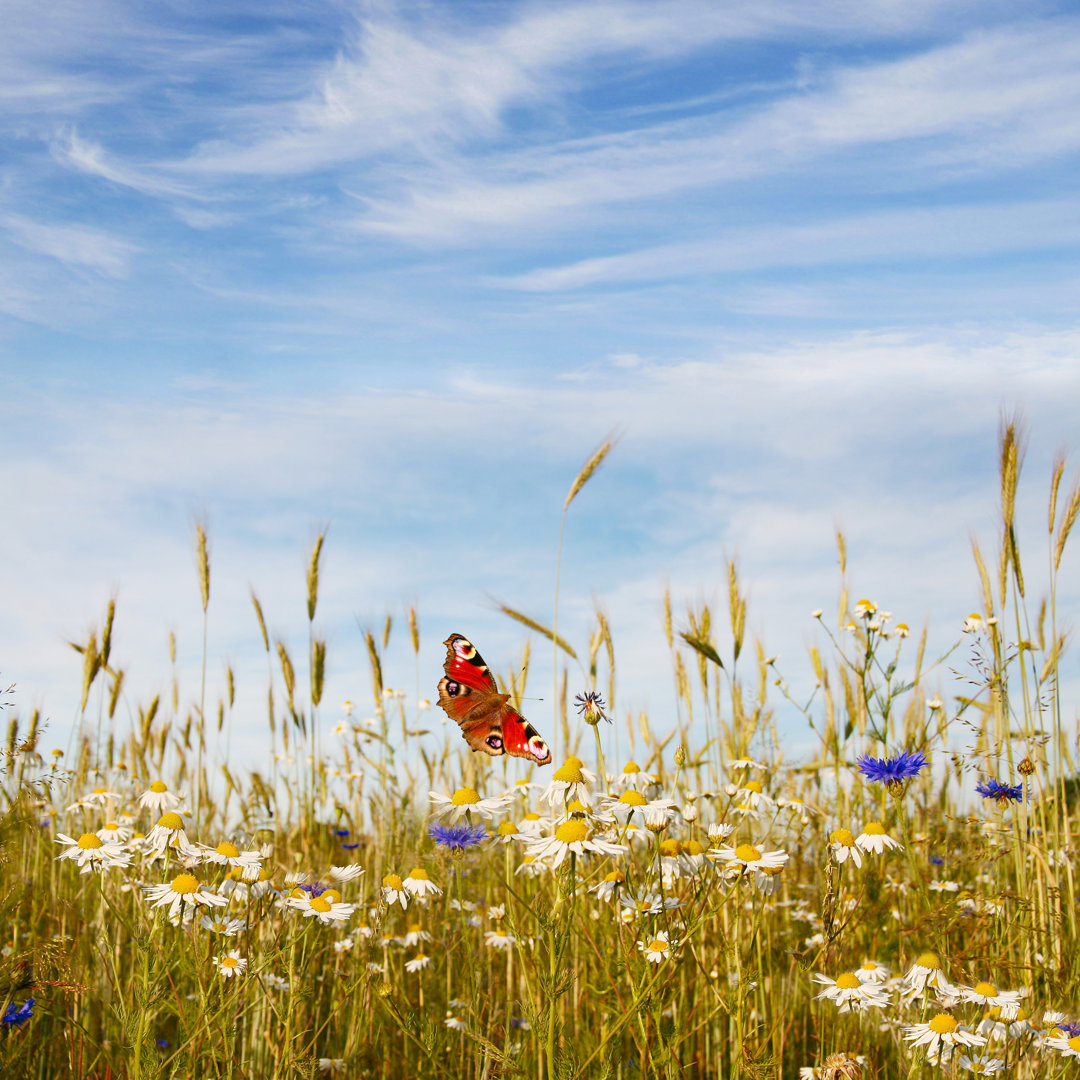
(928, 960)
(185, 884)
(631, 767)
(632, 798)
(848, 981)
(319, 903)
(752, 785)
(943, 1024)
(532, 817)
(572, 832)
(230, 962)
(502, 933)
(157, 787)
(171, 820)
(89, 840)
(465, 796)
(333, 896)
(418, 875)
(577, 807)
(986, 989)
(692, 847)
(570, 773)
(575, 761)
(507, 828)
(747, 853)
(842, 837)
(615, 876)
(111, 826)
(414, 928)
(869, 965)
(1074, 1043)
(670, 848)
(392, 881)
(658, 945)
(99, 791)
(873, 828)
(230, 851)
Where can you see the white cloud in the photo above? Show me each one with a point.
(79, 246)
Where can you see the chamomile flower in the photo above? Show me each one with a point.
(659, 813)
(850, 993)
(505, 832)
(321, 908)
(607, 888)
(750, 796)
(872, 971)
(224, 926)
(454, 1022)
(981, 1064)
(413, 936)
(228, 854)
(113, 833)
(232, 963)
(986, 993)
(632, 779)
(345, 873)
(532, 824)
(874, 839)
(744, 765)
(417, 963)
(169, 833)
(499, 939)
(657, 948)
(421, 886)
(926, 972)
(648, 903)
(720, 832)
(747, 857)
(570, 782)
(98, 797)
(629, 802)
(91, 853)
(571, 836)
(1065, 1044)
(158, 798)
(183, 893)
(393, 891)
(942, 1030)
(467, 801)
(842, 846)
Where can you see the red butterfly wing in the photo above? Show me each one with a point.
(469, 695)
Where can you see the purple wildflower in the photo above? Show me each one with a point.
(999, 792)
(457, 837)
(17, 1015)
(886, 770)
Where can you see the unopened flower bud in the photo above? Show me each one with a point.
(1026, 767)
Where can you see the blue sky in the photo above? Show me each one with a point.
(397, 268)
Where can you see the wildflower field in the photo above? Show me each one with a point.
(902, 903)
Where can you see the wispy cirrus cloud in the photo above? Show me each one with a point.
(77, 246)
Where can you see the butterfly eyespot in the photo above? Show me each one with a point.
(494, 742)
(539, 748)
(453, 689)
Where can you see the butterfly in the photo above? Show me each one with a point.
(469, 695)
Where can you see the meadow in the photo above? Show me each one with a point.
(901, 904)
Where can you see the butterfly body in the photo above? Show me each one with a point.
(469, 695)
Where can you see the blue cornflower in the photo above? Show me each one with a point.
(1001, 793)
(314, 888)
(341, 832)
(590, 707)
(886, 770)
(457, 837)
(18, 1014)
(350, 847)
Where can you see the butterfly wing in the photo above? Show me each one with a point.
(469, 695)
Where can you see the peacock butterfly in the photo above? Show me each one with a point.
(469, 695)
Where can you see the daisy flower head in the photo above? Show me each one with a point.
(750, 795)
(631, 801)
(574, 836)
(414, 935)
(590, 707)
(183, 894)
(499, 939)
(98, 797)
(114, 833)
(874, 839)
(633, 778)
(222, 925)
(743, 765)
(321, 908)
(570, 782)
(466, 801)
(418, 884)
(981, 1064)
(505, 832)
(648, 903)
(842, 846)
(872, 971)
(607, 889)
(1064, 1043)
(394, 892)
(91, 853)
(747, 857)
(458, 838)
(454, 1022)
(228, 854)
(169, 832)
(926, 971)
(345, 873)
(656, 948)
(232, 963)
(417, 963)
(1002, 794)
(985, 993)
(903, 766)
(942, 1030)
(158, 798)
(658, 814)
(849, 993)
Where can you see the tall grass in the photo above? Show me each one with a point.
(618, 919)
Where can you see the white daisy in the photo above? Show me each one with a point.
(632, 778)
(158, 798)
(743, 765)
(467, 801)
(113, 833)
(981, 1064)
(747, 857)
(393, 891)
(169, 833)
(926, 971)
(417, 963)
(346, 873)
(418, 884)
(872, 971)
(656, 948)
(91, 853)
(185, 893)
(454, 1022)
(499, 939)
(648, 903)
(569, 782)
(413, 936)
(319, 907)
(985, 993)
(224, 926)
(849, 993)
(232, 963)
(1064, 1044)
(228, 854)
(571, 836)
(629, 802)
(874, 839)
(942, 1030)
(842, 846)
(98, 797)
(607, 889)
